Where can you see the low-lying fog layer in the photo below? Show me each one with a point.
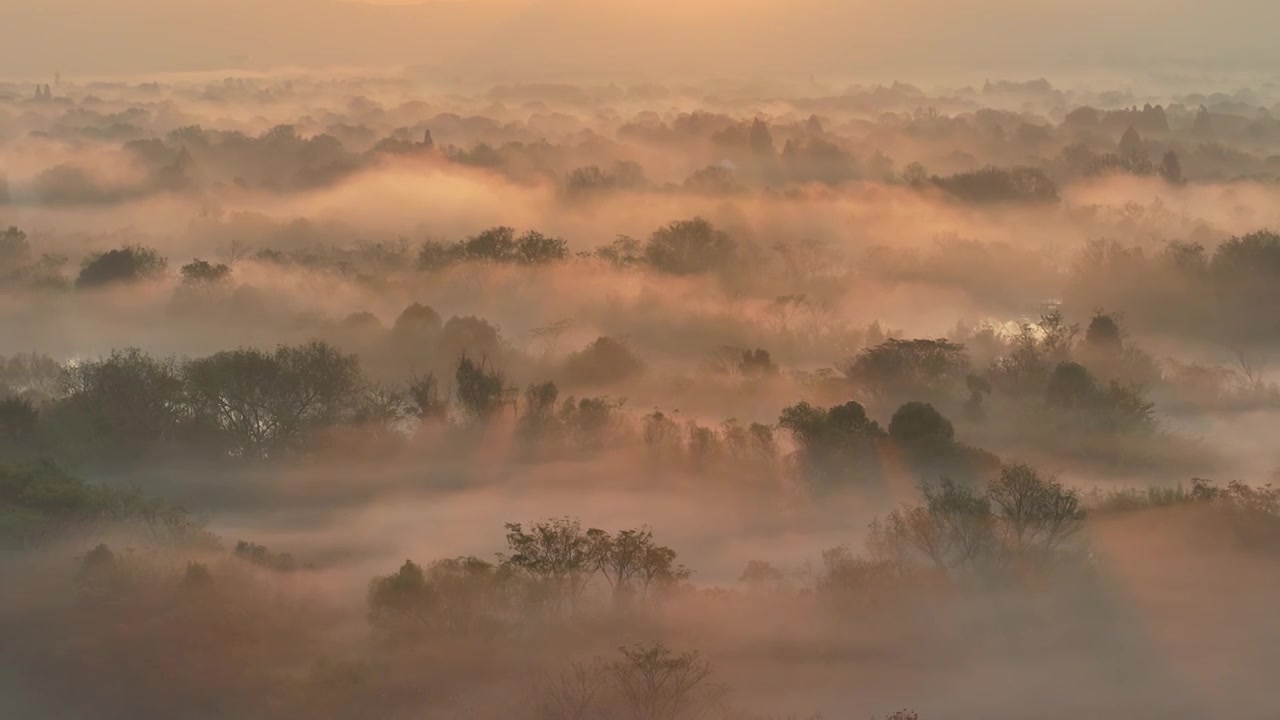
(354, 397)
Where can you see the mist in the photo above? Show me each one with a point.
(564, 361)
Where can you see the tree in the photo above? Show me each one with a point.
(689, 247)
(655, 683)
(462, 596)
(17, 418)
(468, 335)
(15, 251)
(713, 180)
(588, 422)
(760, 139)
(417, 322)
(912, 368)
(1171, 168)
(1071, 387)
(496, 244)
(604, 362)
(953, 530)
(1103, 338)
(632, 563)
(557, 557)
(125, 404)
(402, 597)
(760, 575)
(1037, 514)
(265, 403)
(202, 272)
(919, 427)
(480, 389)
(833, 445)
(1203, 125)
(538, 422)
(914, 175)
(534, 248)
(1000, 185)
(1130, 147)
(128, 264)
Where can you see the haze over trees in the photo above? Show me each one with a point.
(396, 393)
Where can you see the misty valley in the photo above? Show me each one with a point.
(357, 394)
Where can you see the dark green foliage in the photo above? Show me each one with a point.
(760, 575)
(1103, 335)
(623, 175)
(40, 500)
(497, 245)
(1171, 168)
(196, 578)
(1071, 387)
(909, 369)
(121, 407)
(468, 335)
(534, 248)
(480, 389)
(15, 251)
(1113, 407)
(401, 597)
(604, 362)
(493, 245)
(1235, 497)
(835, 446)
(745, 362)
(1036, 350)
(624, 251)
(760, 139)
(588, 423)
(847, 581)
(920, 427)
(417, 321)
(266, 403)
(689, 247)
(998, 185)
(17, 418)
(262, 557)
(128, 264)
(199, 271)
(1246, 272)
(713, 180)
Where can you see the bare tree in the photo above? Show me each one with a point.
(1036, 514)
(550, 335)
(575, 694)
(1249, 371)
(654, 683)
(233, 251)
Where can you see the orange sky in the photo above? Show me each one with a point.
(637, 37)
